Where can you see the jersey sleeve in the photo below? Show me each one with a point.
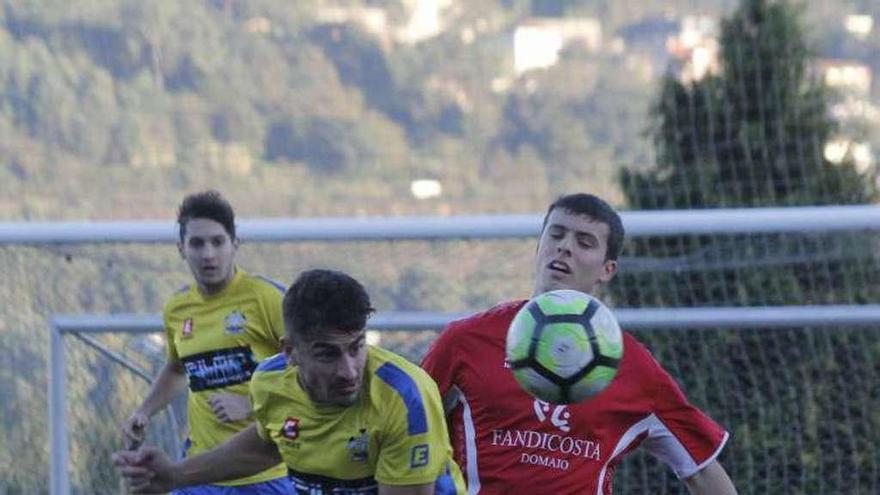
(683, 436)
(414, 446)
(171, 354)
(258, 402)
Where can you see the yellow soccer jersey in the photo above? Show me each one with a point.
(395, 434)
(220, 339)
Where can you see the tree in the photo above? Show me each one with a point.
(759, 127)
(752, 135)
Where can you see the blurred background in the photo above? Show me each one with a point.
(115, 110)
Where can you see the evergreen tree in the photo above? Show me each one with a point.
(752, 135)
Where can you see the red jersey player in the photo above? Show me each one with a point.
(507, 441)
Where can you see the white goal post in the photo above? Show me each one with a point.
(637, 224)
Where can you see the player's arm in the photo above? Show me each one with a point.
(425, 489)
(170, 382)
(711, 480)
(149, 470)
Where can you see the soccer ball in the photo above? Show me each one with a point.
(564, 346)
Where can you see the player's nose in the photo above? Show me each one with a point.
(564, 245)
(348, 369)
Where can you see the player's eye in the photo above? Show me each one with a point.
(326, 356)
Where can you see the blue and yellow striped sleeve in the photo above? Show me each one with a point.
(415, 449)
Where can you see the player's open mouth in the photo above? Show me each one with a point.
(559, 266)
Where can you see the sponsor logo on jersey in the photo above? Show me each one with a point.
(290, 428)
(187, 328)
(219, 368)
(554, 449)
(235, 322)
(558, 418)
(357, 446)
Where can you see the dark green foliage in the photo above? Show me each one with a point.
(753, 135)
(328, 146)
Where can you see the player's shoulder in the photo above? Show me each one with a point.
(272, 364)
(265, 376)
(262, 284)
(178, 298)
(498, 315)
(637, 355)
(396, 371)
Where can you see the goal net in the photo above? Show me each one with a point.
(800, 401)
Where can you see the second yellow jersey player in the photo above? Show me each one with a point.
(219, 339)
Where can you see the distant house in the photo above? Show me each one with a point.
(424, 20)
(537, 42)
(850, 76)
(372, 19)
(695, 47)
(687, 46)
(859, 25)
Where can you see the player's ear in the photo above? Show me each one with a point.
(288, 350)
(609, 271)
(180, 249)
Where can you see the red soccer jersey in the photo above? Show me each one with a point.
(507, 441)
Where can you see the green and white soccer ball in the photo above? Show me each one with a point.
(564, 346)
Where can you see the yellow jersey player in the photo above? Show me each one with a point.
(345, 417)
(217, 331)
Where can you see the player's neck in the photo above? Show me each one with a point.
(214, 289)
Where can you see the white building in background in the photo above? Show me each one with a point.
(848, 76)
(426, 188)
(426, 20)
(837, 150)
(696, 47)
(859, 25)
(538, 42)
(372, 19)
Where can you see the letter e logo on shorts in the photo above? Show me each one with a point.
(419, 456)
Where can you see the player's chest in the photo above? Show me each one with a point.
(344, 446)
(198, 329)
(507, 414)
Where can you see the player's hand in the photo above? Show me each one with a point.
(134, 430)
(230, 407)
(147, 470)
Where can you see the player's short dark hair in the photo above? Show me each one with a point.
(206, 204)
(597, 209)
(321, 300)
